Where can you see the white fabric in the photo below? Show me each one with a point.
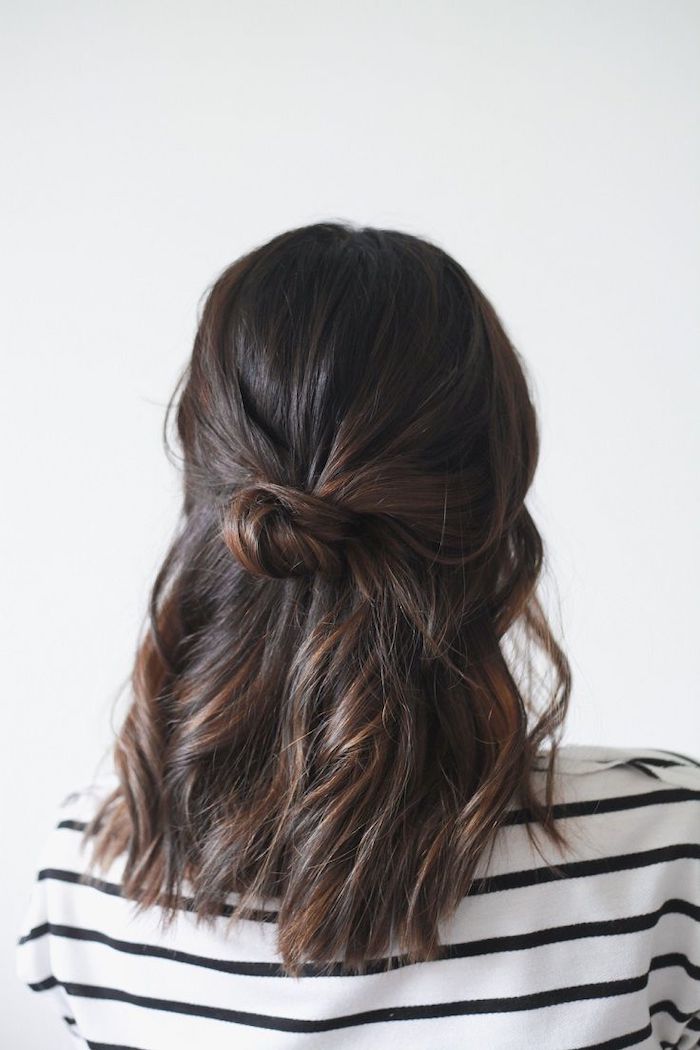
(607, 956)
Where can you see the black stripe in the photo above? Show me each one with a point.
(73, 825)
(641, 765)
(691, 1019)
(664, 763)
(648, 760)
(620, 1041)
(561, 810)
(81, 879)
(686, 758)
(668, 1007)
(676, 959)
(485, 884)
(581, 868)
(115, 890)
(463, 950)
(43, 986)
(616, 804)
(109, 1046)
(457, 1008)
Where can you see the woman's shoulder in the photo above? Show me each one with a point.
(82, 801)
(634, 795)
(671, 767)
(63, 846)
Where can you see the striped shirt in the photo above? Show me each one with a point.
(606, 955)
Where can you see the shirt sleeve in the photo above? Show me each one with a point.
(685, 775)
(33, 956)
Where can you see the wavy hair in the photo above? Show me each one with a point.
(334, 700)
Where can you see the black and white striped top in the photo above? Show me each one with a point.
(607, 956)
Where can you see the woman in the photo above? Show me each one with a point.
(341, 814)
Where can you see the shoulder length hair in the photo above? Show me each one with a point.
(334, 700)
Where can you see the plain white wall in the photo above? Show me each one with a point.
(550, 145)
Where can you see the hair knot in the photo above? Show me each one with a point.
(275, 530)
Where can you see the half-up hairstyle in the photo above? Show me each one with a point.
(335, 701)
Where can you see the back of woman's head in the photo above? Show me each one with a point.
(324, 711)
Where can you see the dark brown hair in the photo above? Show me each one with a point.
(335, 698)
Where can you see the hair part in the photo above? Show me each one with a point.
(323, 712)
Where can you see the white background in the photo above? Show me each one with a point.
(552, 147)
